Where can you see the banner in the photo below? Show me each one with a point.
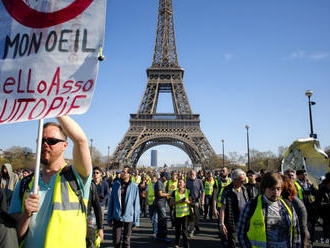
(48, 57)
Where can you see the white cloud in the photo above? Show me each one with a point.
(297, 55)
(301, 54)
(228, 56)
(319, 55)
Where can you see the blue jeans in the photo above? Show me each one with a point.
(162, 223)
(154, 218)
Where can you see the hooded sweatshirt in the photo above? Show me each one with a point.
(8, 183)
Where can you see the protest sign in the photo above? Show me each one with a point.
(48, 57)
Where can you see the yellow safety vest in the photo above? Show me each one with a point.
(299, 189)
(208, 188)
(151, 194)
(67, 226)
(257, 228)
(172, 186)
(181, 209)
(223, 185)
(136, 180)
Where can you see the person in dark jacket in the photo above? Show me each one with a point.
(102, 187)
(8, 236)
(252, 187)
(94, 217)
(143, 196)
(323, 205)
(233, 201)
(196, 188)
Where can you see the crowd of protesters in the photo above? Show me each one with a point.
(251, 209)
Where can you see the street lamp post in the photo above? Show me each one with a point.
(309, 93)
(108, 155)
(91, 148)
(223, 153)
(248, 145)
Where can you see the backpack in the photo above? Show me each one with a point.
(68, 174)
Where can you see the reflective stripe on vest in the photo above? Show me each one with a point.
(257, 228)
(181, 209)
(223, 185)
(209, 187)
(151, 194)
(172, 186)
(67, 224)
(299, 189)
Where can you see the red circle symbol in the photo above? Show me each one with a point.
(32, 18)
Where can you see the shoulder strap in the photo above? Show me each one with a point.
(24, 186)
(68, 174)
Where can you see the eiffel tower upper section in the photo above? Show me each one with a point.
(165, 75)
(165, 55)
(148, 128)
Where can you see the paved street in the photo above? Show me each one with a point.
(208, 237)
(141, 236)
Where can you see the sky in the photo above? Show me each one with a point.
(246, 63)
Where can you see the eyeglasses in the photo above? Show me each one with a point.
(96, 172)
(51, 141)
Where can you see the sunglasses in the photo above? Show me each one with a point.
(52, 141)
(96, 172)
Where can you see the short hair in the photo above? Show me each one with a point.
(270, 180)
(251, 172)
(97, 168)
(237, 173)
(54, 124)
(300, 172)
(129, 170)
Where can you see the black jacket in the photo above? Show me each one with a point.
(93, 202)
(232, 211)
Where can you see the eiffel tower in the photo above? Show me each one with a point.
(149, 128)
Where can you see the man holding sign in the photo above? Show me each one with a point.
(56, 216)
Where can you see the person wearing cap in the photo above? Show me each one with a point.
(252, 187)
(308, 193)
(161, 198)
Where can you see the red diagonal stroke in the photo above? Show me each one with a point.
(29, 17)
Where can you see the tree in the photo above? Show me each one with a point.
(97, 157)
(20, 157)
(235, 160)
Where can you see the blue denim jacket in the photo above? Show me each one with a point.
(132, 202)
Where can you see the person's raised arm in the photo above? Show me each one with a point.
(81, 155)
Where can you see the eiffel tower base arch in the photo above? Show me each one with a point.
(144, 134)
